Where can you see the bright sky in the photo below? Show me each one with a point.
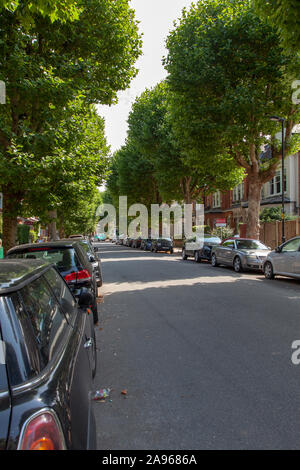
(156, 20)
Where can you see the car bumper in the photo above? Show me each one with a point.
(253, 265)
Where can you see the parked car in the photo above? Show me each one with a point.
(136, 243)
(162, 244)
(92, 253)
(100, 237)
(71, 260)
(284, 261)
(120, 239)
(48, 357)
(146, 244)
(200, 247)
(241, 253)
(128, 241)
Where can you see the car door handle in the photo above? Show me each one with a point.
(89, 343)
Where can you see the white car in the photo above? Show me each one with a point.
(284, 261)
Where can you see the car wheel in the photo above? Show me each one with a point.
(197, 257)
(268, 270)
(94, 307)
(183, 255)
(94, 355)
(95, 312)
(214, 261)
(237, 264)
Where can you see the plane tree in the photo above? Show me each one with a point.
(45, 64)
(228, 74)
(178, 179)
(285, 14)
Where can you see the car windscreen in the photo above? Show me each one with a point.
(65, 258)
(250, 245)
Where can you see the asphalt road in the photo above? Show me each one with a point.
(204, 354)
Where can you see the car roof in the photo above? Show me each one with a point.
(15, 274)
(59, 243)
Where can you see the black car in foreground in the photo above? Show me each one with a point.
(70, 258)
(162, 244)
(47, 360)
(200, 248)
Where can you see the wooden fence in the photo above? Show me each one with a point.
(271, 232)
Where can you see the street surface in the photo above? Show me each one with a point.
(204, 354)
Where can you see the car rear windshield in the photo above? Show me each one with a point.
(64, 258)
(250, 245)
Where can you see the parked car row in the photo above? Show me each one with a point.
(147, 244)
(48, 351)
(245, 254)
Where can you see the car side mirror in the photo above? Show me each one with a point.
(278, 250)
(85, 300)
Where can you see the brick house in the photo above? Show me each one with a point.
(233, 205)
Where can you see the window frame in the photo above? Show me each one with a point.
(64, 335)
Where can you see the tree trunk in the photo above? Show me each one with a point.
(61, 226)
(10, 222)
(254, 195)
(52, 225)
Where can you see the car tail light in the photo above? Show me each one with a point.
(78, 276)
(42, 432)
(84, 274)
(71, 277)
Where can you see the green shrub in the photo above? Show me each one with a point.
(223, 232)
(271, 214)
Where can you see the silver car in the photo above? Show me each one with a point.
(241, 253)
(285, 260)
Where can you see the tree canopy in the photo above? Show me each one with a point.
(46, 65)
(285, 14)
(61, 10)
(228, 75)
(178, 178)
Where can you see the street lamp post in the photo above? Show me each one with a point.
(282, 120)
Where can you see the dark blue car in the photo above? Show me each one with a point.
(146, 244)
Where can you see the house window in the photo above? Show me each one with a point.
(217, 199)
(275, 183)
(238, 193)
